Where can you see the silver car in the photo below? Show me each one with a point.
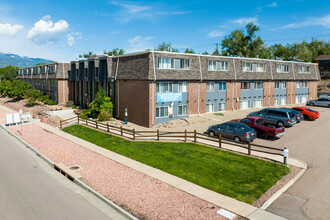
(325, 102)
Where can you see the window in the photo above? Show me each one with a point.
(182, 86)
(283, 85)
(277, 84)
(218, 65)
(283, 100)
(258, 103)
(222, 106)
(304, 69)
(162, 112)
(245, 104)
(245, 120)
(245, 85)
(173, 63)
(258, 85)
(210, 86)
(299, 84)
(164, 87)
(276, 101)
(222, 86)
(43, 69)
(254, 67)
(182, 110)
(52, 69)
(305, 84)
(209, 107)
(282, 68)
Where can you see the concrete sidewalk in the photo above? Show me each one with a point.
(225, 202)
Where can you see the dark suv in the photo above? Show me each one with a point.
(275, 116)
(233, 130)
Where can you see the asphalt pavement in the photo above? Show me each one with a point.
(31, 189)
(309, 197)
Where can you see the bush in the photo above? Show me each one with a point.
(44, 98)
(104, 116)
(34, 93)
(74, 107)
(50, 102)
(31, 102)
(86, 113)
(101, 103)
(69, 104)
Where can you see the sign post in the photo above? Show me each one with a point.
(125, 116)
(286, 155)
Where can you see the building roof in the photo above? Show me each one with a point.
(323, 57)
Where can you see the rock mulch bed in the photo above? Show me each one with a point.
(142, 195)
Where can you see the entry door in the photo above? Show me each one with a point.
(209, 107)
(244, 104)
(303, 99)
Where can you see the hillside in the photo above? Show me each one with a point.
(20, 61)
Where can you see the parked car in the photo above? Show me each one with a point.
(325, 102)
(299, 116)
(325, 96)
(263, 130)
(308, 113)
(233, 130)
(276, 116)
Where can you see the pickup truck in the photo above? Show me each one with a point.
(263, 130)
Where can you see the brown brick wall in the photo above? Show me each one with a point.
(62, 91)
(233, 92)
(195, 107)
(269, 91)
(312, 90)
(133, 95)
(291, 92)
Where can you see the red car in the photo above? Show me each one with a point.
(263, 130)
(308, 113)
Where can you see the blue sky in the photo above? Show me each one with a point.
(61, 30)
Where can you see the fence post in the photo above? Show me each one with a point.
(61, 124)
(121, 130)
(157, 134)
(133, 134)
(185, 135)
(108, 126)
(219, 140)
(86, 122)
(249, 147)
(78, 119)
(195, 136)
(96, 125)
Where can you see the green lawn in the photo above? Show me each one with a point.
(237, 176)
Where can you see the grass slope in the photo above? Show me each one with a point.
(237, 176)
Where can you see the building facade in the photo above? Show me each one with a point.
(152, 87)
(51, 79)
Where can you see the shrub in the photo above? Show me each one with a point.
(50, 102)
(31, 102)
(101, 103)
(34, 93)
(44, 98)
(104, 116)
(86, 113)
(69, 103)
(74, 107)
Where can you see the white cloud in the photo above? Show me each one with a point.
(319, 21)
(139, 43)
(244, 21)
(131, 10)
(73, 37)
(10, 30)
(272, 5)
(215, 33)
(45, 31)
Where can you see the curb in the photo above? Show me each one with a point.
(285, 187)
(76, 181)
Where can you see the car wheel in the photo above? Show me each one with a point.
(280, 124)
(311, 104)
(263, 135)
(328, 106)
(237, 139)
(211, 133)
(306, 117)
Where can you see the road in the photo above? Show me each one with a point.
(309, 197)
(31, 189)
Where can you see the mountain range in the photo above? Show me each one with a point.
(20, 61)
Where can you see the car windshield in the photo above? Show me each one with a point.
(308, 109)
(260, 122)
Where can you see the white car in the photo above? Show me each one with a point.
(325, 102)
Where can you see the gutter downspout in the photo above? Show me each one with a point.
(198, 90)
(292, 82)
(118, 86)
(234, 85)
(63, 86)
(153, 91)
(272, 77)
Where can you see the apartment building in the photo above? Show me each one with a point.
(51, 79)
(154, 87)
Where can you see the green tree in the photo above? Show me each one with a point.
(14, 89)
(166, 47)
(216, 53)
(102, 103)
(205, 53)
(247, 45)
(115, 52)
(86, 55)
(39, 64)
(8, 72)
(189, 51)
